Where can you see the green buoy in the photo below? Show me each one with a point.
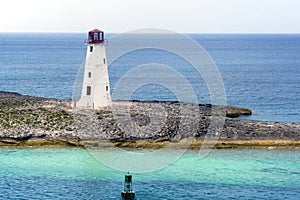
(127, 193)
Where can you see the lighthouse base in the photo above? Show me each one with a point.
(128, 195)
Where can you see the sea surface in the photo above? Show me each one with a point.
(259, 71)
(223, 174)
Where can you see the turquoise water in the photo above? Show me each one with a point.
(223, 174)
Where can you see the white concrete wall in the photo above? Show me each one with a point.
(99, 81)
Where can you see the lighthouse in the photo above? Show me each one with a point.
(95, 91)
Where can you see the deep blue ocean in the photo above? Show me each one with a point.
(260, 72)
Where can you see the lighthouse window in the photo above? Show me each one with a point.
(88, 90)
(91, 48)
(96, 36)
(104, 60)
(106, 88)
(90, 74)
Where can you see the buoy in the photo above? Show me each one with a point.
(128, 193)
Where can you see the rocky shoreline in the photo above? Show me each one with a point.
(27, 121)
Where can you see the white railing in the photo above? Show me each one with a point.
(87, 41)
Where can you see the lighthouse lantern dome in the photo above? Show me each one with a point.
(95, 36)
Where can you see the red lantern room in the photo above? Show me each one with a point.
(95, 36)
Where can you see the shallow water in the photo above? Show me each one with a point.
(223, 174)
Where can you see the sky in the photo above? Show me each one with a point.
(115, 16)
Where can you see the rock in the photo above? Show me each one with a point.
(25, 118)
(233, 111)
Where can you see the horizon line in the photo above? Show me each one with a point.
(78, 32)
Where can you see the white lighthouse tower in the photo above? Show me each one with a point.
(95, 87)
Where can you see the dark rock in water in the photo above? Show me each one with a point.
(233, 111)
(25, 118)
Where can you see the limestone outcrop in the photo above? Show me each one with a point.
(24, 118)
